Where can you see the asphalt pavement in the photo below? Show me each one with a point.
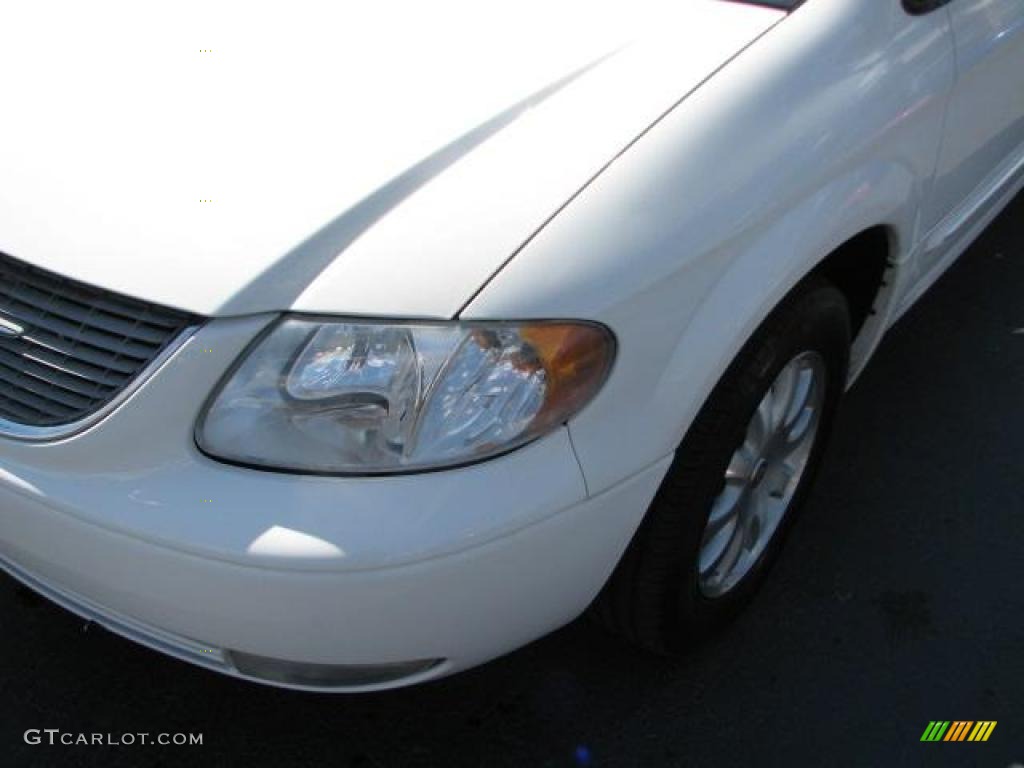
(899, 600)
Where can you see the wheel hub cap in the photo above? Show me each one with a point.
(763, 475)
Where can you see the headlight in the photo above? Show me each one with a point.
(372, 398)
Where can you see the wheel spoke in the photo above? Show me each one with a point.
(800, 396)
(760, 431)
(724, 510)
(741, 464)
(751, 522)
(778, 484)
(801, 426)
(712, 550)
(717, 562)
(784, 390)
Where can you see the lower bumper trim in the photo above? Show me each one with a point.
(259, 669)
(328, 675)
(153, 637)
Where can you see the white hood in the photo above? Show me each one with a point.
(377, 158)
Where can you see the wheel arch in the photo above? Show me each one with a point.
(865, 268)
(864, 219)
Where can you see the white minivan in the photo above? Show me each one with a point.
(343, 349)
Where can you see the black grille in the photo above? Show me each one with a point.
(79, 346)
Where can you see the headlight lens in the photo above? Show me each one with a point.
(374, 398)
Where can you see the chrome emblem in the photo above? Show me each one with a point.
(9, 330)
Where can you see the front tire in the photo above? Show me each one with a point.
(738, 479)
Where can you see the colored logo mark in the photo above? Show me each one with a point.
(958, 730)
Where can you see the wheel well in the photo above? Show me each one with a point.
(857, 268)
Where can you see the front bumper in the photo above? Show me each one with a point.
(129, 525)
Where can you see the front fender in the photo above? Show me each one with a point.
(686, 243)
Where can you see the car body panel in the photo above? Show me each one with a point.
(221, 172)
(464, 608)
(984, 137)
(719, 248)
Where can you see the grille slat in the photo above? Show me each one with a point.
(121, 346)
(14, 411)
(80, 348)
(88, 296)
(76, 367)
(26, 397)
(27, 382)
(26, 365)
(68, 348)
(76, 312)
